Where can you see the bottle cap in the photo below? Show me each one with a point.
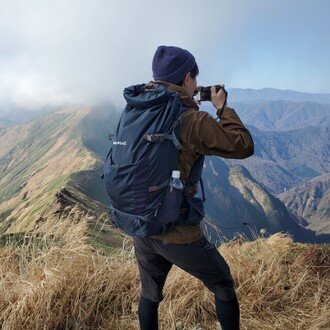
(175, 174)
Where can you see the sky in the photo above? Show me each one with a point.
(80, 51)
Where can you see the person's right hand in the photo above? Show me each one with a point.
(218, 99)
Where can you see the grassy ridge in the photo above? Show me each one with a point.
(38, 166)
(28, 153)
(56, 279)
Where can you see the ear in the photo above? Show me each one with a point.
(186, 79)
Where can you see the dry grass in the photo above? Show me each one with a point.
(57, 280)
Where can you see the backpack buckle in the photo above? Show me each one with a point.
(154, 137)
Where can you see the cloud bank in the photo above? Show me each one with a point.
(87, 51)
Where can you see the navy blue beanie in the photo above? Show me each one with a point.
(171, 64)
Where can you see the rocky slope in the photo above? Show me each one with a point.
(237, 203)
(310, 201)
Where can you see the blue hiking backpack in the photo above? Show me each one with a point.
(137, 170)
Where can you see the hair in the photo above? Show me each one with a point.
(193, 73)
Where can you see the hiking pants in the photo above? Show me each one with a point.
(200, 259)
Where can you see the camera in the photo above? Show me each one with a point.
(204, 93)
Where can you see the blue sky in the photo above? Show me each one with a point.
(88, 51)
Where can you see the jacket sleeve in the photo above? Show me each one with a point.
(228, 138)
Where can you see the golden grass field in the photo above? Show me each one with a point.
(53, 278)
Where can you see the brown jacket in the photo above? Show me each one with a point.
(201, 134)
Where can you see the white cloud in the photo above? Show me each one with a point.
(88, 51)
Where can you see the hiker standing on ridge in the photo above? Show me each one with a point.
(146, 148)
(185, 245)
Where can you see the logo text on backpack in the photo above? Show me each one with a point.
(121, 143)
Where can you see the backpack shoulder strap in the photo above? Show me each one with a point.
(173, 132)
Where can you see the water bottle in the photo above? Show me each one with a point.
(169, 209)
(175, 181)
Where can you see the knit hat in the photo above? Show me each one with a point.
(171, 64)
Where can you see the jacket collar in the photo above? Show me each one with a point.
(185, 99)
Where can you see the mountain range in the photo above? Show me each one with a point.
(248, 95)
(52, 158)
(237, 203)
(279, 115)
(50, 163)
(283, 115)
(284, 159)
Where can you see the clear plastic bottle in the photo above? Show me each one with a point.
(169, 210)
(175, 181)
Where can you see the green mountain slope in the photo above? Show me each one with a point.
(43, 165)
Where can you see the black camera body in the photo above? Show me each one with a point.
(204, 93)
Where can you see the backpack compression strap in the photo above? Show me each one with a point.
(161, 186)
(166, 136)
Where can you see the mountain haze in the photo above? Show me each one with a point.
(4, 122)
(18, 115)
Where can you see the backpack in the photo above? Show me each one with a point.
(137, 170)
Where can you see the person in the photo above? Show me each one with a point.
(185, 246)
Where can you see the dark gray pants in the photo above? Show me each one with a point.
(200, 259)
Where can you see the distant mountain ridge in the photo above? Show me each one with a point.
(17, 115)
(283, 115)
(272, 94)
(4, 122)
(279, 115)
(284, 159)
